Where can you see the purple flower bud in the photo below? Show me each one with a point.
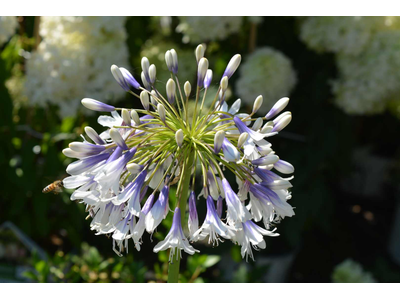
(284, 167)
(232, 66)
(265, 160)
(96, 105)
(208, 79)
(277, 108)
(201, 71)
(129, 78)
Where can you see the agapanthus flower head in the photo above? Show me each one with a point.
(124, 174)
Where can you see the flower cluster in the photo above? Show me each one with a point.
(66, 65)
(268, 72)
(367, 83)
(197, 29)
(8, 25)
(124, 174)
(367, 58)
(154, 49)
(350, 271)
(347, 35)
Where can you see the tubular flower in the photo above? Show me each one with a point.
(124, 174)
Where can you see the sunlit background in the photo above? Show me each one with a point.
(342, 75)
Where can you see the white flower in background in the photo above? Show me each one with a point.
(198, 29)
(347, 35)
(350, 271)
(370, 80)
(266, 72)
(8, 25)
(124, 176)
(70, 60)
(367, 58)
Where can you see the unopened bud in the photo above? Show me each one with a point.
(232, 66)
(144, 98)
(179, 137)
(168, 60)
(152, 74)
(161, 111)
(201, 71)
(257, 124)
(208, 78)
(146, 82)
(257, 104)
(265, 160)
(145, 68)
(116, 72)
(129, 79)
(284, 167)
(277, 108)
(199, 52)
(278, 118)
(96, 105)
(266, 128)
(187, 88)
(218, 140)
(153, 97)
(126, 117)
(282, 123)
(242, 139)
(174, 61)
(117, 138)
(94, 136)
(171, 88)
(135, 117)
(224, 84)
(134, 168)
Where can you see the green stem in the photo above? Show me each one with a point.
(173, 268)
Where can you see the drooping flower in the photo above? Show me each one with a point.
(176, 239)
(151, 149)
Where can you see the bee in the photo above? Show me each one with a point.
(55, 187)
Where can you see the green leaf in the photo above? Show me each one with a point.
(211, 260)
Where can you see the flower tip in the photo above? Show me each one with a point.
(277, 108)
(179, 137)
(96, 105)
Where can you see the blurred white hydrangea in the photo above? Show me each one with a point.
(197, 29)
(8, 25)
(69, 62)
(344, 35)
(347, 35)
(368, 81)
(266, 72)
(350, 271)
